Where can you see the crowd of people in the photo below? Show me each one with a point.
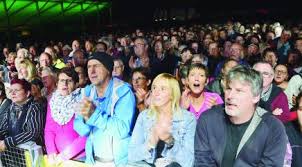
(202, 95)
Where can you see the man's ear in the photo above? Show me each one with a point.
(256, 99)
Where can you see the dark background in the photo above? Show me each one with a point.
(127, 15)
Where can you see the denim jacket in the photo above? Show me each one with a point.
(183, 129)
(108, 128)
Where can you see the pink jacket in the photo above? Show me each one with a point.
(63, 139)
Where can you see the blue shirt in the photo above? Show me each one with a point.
(109, 127)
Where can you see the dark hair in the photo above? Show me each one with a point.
(71, 73)
(226, 61)
(25, 85)
(102, 43)
(143, 70)
(187, 49)
(198, 66)
(269, 50)
(37, 82)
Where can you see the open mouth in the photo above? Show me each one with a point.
(228, 104)
(196, 85)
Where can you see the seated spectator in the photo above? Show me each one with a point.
(293, 88)
(78, 58)
(21, 55)
(23, 120)
(106, 114)
(83, 78)
(57, 62)
(61, 140)
(45, 60)
(270, 56)
(183, 72)
(36, 92)
(294, 133)
(273, 98)
(140, 81)
(27, 70)
(236, 53)
(241, 133)
(199, 59)
(49, 79)
(218, 85)
(281, 76)
(118, 69)
(196, 99)
(164, 134)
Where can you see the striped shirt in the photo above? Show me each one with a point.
(29, 124)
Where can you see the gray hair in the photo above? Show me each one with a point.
(248, 75)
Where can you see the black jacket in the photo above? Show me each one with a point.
(265, 147)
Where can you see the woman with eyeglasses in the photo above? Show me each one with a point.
(61, 140)
(23, 120)
(281, 76)
(140, 81)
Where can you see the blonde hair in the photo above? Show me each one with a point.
(173, 85)
(31, 69)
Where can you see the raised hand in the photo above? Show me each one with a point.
(86, 108)
(140, 95)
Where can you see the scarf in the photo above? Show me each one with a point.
(63, 107)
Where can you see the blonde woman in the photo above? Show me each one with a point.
(164, 134)
(27, 70)
(21, 55)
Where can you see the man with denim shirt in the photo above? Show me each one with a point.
(106, 114)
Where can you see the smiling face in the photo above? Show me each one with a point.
(161, 94)
(197, 80)
(139, 81)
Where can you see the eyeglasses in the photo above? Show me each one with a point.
(281, 72)
(138, 79)
(63, 81)
(14, 90)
